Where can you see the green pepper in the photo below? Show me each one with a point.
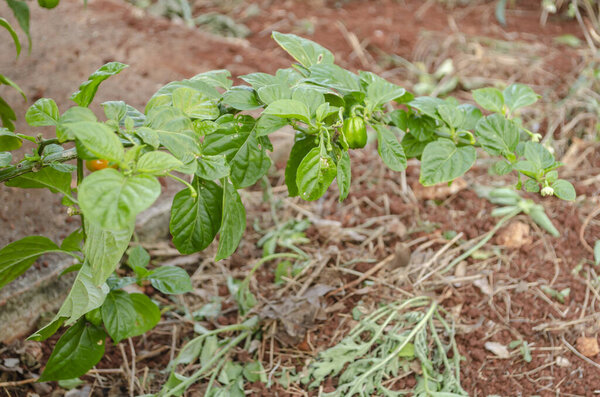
(355, 132)
(49, 4)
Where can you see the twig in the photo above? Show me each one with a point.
(365, 275)
(575, 352)
(133, 377)
(18, 382)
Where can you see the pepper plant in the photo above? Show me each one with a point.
(213, 137)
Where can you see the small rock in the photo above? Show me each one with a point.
(11, 362)
(587, 346)
(401, 256)
(498, 349)
(484, 286)
(562, 362)
(515, 235)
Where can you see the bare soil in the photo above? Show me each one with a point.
(507, 302)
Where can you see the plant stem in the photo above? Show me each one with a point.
(192, 190)
(79, 180)
(44, 143)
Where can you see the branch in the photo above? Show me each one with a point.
(26, 166)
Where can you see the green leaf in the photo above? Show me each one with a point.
(250, 163)
(75, 353)
(9, 140)
(258, 80)
(87, 90)
(233, 222)
(302, 145)
(427, 105)
(147, 314)
(489, 98)
(170, 280)
(85, 296)
(311, 97)
(390, 150)
(138, 257)
(564, 190)
(500, 12)
(4, 23)
(118, 315)
(315, 173)
(267, 124)
(344, 175)
(517, 96)
(43, 112)
(306, 52)
(538, 155)
(497, 135)
(212, 167)
(443, 161)
(114, 110)
(18, 256)
(47, 177)
(5, 159)
(98, 139)
(75, 114)
(241, 98)
(538, 215)
(273, 92)
(73, 241)
(103, 249)
(112, 200)
(289, 108)
(20, 10)
(334, 77)
(195, 221)
(70, 384)
(597, 252)
(380, 91)
(452, 115)
(157, 163)
(195, 104)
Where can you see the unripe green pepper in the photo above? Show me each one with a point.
(355, 132)
(49, 4)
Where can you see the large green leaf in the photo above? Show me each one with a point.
(103, 249)
(5, 159)
(118, 315)
(43, 112)
(538, 155)
(497, 135)
(517, 96)
(170, 280)
(315, 173)
(306, 52)
(250, 163)
(390, 150)
(98, 139)
(241, 98)
(289, 108)
(334, 77)
(18, 256)
(147, 314)
(157, 163)
(85, 296)
(75, 353)
(47, 177)
(87, 90)
(196, 221)
(273, 92)
(75, 114)
(443, 161)
(302, 145)
(212, 167)
(310, 96)
(233, 222)
(112, 200)
(489, 98)
(380, 91)
(195, 104)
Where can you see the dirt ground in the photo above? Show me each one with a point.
(499, 297)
